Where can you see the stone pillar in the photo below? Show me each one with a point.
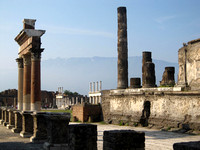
(168, 77)
(11, 119)
(18, 122)
(6, 114)
(27, 82)
(148, 71)
(135, 83)
(2, 116)
(35, 80)
(93, 87)
(57, 131)
(122, 49)
(27, 124)
(100, 85)
(40, 128)
(20, 83)
(83, 137)
(90, 87)
(97, 86)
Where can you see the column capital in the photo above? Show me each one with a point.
(20, 62)
(26, 59)
(36, 54)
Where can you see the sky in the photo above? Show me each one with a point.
(88, 28)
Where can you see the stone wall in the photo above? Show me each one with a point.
(87, 112)
(163, 109)
(189, 64)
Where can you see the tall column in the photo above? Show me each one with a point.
(93, 86)
(100, 85)
(20, 83)
(122, 49)
(97, 86)
(27, 82)
(35, 80)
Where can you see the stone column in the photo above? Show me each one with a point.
(135, 83)
(97, 86)
(35, 80)
(18, 122)
(6, 114)
(11, 119)
(100, 85)
(122, 49)
(168, 77)
(2, 116)
(27, 82)
(148, 71)
(20, 83)
(90, 86)
(93, 86)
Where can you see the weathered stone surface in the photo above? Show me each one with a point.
(40, 128)
(187, 146)
(168, 77)
(128, 107)
(148, 71)
(57, 130)
(135, 83)
(18, 122)
(189, 63)
(123, 140)
(27, 124)
(122, 49)
(83, 136)
(6, 115)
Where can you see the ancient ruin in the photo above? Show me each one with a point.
(168, 77)
(30, 51)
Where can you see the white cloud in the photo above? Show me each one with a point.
(164, 19)
(77, 31)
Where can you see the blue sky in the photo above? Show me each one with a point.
(87, 28)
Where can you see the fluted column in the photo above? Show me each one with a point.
(27, 82)
(35, 80)
(122, 49)
(20, 83)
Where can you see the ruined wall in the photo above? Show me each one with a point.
(83, 111)
(166, 109)
(189, 64)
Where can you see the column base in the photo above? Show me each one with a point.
(25, 134)
(10, 126)
(1, 121)
(37, 140)
(16, 130)
(5, 124)
(48, 146)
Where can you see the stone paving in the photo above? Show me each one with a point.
(154, 139)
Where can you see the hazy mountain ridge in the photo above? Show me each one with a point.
(76, 73)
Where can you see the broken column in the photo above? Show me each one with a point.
(148, 71)
(135, 83)
(18, 122)
(11, 119)
(168, 77)
(122, 82)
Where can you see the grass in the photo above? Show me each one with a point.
(57, 110)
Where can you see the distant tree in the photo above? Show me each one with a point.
(69, 93)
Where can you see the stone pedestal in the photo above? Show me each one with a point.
(122, 82)
(18, 122)
(6, 115)
(57, 131)
(123, 140)
(27, 124)
(40, 128)
(11, 119)
(83, 137)
(135, 83)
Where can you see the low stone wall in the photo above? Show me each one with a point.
(87, 112)
(163, 109)
(187, 146)
(123, 140)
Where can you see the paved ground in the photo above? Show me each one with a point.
(154, 139)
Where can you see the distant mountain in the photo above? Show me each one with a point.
(75, 73)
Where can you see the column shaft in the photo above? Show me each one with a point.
(20, 83)
(35, 82)
(27, 82)
(122, 49)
